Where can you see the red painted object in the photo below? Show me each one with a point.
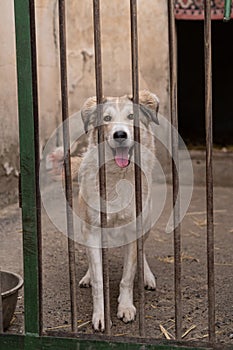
(194, 9)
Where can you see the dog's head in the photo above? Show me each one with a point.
(117, 116)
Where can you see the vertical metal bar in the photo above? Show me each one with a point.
(209, 170)
(37, 153)
(27, 166)
(137, 155)
(67, 165)
(102, 169)
(175, 166)
(227, 10)
(1, 310)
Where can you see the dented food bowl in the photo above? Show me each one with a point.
(10, 285)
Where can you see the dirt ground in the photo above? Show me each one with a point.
(159, 304)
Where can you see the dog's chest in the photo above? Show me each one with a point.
(120, 195)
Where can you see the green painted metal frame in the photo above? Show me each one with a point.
(32, 340)
(27, 165)
(17, 342)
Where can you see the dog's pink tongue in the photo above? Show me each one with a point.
(121, 157)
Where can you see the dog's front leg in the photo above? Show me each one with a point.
(95, 266)
(126, 309)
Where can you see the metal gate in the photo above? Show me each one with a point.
(34, 337)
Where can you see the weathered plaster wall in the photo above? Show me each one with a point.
(8, 106)
(8, 109)
(153, 50)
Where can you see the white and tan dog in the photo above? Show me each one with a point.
(119, 153)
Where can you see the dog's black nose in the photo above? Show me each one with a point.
(120, 136)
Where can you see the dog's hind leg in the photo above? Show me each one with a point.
(149, 278)
(85, 282)
(126, 309)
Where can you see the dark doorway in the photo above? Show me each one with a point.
(191, 82)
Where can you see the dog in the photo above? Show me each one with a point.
(117, 120)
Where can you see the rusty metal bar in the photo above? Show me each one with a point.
(102, 170)
(67, 165)
(1, 310)
(175, 167)
(209, 170)
(37, 153)
(137, 155)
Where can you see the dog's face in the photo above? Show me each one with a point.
(118, 120)
(118, 125)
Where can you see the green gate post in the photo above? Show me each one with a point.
(27, 166)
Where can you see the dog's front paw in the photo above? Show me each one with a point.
(98, 321)
(126, 312)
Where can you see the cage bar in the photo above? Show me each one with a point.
(67, 164)
(37, 154)
(209, 170)
(27, 166)
(137, 155)
(101, 157)
(1, 310)
(175, 166)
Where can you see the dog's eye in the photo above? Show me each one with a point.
(107, 118)
(130, 117)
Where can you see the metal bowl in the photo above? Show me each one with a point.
(10, 285)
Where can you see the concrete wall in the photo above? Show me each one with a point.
(8, 106)
(153, 49)
(8, 109)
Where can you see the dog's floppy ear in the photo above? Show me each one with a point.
(149, 104)
(88, 112)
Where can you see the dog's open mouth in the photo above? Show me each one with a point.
(122, 156)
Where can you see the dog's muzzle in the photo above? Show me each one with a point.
(122, 152)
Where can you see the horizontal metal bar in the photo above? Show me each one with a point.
(92, 342)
